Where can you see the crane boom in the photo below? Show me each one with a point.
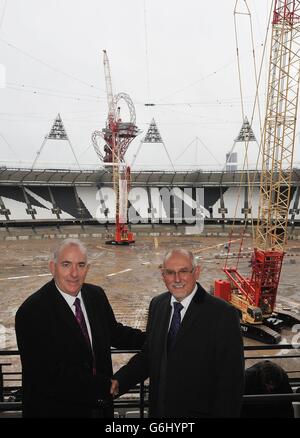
(109, 89)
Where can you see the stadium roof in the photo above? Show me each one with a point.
(21, 176)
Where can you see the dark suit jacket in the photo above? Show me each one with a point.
(57, 362)
(203, 375)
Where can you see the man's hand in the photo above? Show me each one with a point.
(114, 389)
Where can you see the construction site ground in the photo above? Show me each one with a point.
(130, 276)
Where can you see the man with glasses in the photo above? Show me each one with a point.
(193, 352)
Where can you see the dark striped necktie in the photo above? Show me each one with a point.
(175, 324)
(82, 324)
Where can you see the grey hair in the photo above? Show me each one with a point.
(67, 242)
(182, 252)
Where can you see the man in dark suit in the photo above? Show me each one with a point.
(64, 334)
(196, 367)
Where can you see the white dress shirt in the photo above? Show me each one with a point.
(185, 302)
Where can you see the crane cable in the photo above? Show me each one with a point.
(256, 103)
(262, 127)
(49, 66)
(198, 140)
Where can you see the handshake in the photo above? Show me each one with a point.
(114, 389)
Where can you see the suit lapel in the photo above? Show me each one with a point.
(90, 310)
(162, 326)
(94, 316)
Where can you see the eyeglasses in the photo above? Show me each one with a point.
(181, 273)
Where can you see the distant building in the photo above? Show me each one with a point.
(231, 162)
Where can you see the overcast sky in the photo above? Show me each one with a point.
(178, 55)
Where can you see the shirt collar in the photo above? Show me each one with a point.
(69, 298)
(187, 300)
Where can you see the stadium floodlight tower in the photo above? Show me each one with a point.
(117, 136)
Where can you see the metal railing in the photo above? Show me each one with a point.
(141, 401)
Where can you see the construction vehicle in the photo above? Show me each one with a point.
(255, 296)
(249, 314)
(117, 136)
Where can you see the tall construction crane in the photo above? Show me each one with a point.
(255, 296)
(117, 136)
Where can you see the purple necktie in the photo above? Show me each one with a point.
(81, 321)
(175, 324)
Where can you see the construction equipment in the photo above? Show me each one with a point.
(117, 136)
(257, 293)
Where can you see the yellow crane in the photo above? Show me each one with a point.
(259, 290)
